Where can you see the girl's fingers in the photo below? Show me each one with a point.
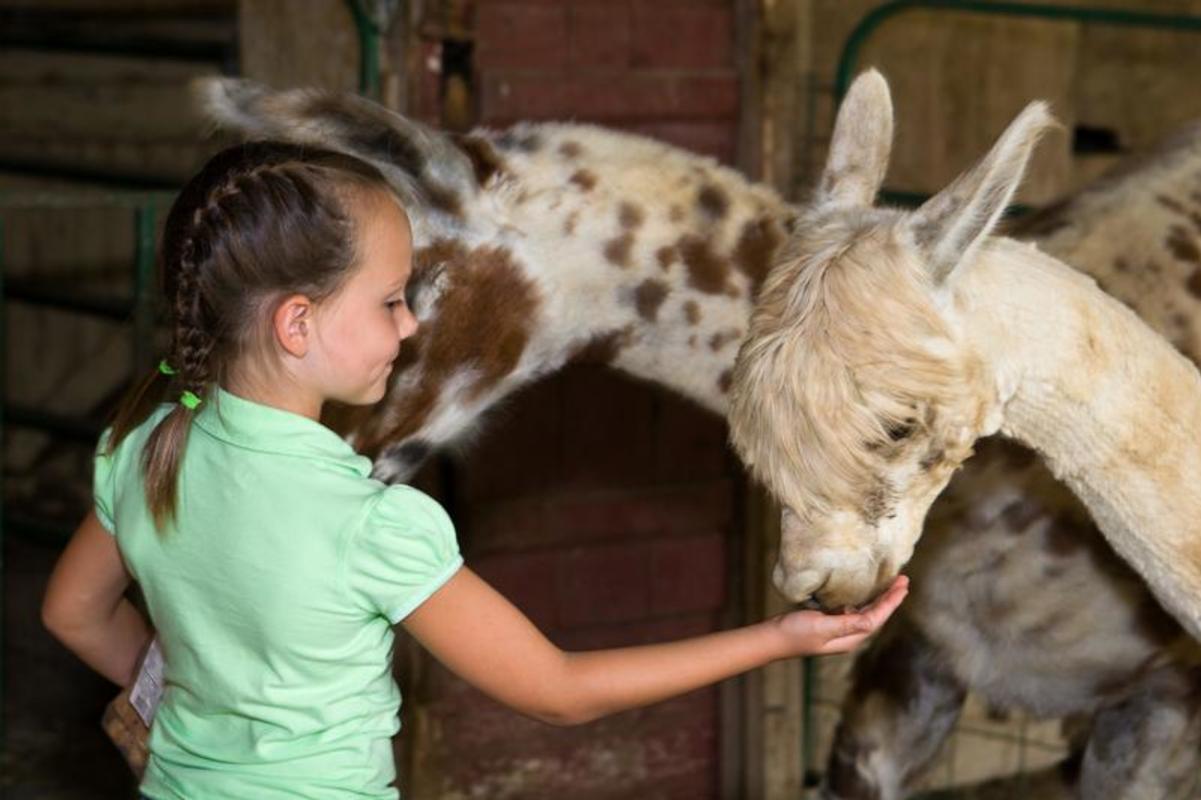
(843, 644)
(883, 606)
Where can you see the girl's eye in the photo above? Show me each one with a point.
(391, 304)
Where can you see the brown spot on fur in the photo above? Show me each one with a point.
(675, 214)
(602, 348)
(1182, 245)
(706, 271)
(725, 381)
(629, 215)
(1194, 283)
(1170, 204)
(667, 256)
(570, 223)
(584, 179)
(720, 339)
(649, 295)
(875, 504)
(712, 201)
(485, 315)
(571, 149)
(1121, 265)
(756, 245)
(618, 250)
(692, 312)
(485, 161)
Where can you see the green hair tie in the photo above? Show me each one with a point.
(189, 400)
(165, 368)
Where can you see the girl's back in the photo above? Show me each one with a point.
(274, 590)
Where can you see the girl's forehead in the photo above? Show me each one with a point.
(385, 240)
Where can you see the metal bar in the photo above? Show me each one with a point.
(40, 293)
(129, 47)
(49, 199)
(39, 530)
(82, 430)
(3, 464)
(369, 58)
(53, 170)
(877, 17)
(143, 307)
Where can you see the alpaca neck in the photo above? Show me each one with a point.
(1113, 407)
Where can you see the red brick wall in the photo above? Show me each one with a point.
(602, 507)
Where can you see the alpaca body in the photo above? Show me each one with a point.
(526, 224)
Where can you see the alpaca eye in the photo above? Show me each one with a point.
(899, 431)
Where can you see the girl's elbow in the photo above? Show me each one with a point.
(567, 710)
(58, 619)
(53, 620)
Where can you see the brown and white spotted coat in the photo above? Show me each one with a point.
(619, 290)
(535, 246)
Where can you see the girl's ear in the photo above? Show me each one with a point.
(292, 324)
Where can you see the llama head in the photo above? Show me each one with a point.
(855, 393)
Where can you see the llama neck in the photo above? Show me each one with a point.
(1113, 407)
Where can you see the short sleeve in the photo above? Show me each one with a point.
(404, 552)
(103, 488)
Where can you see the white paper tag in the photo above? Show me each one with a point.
(148, 688)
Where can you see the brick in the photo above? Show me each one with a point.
(627, 634)
(426, 103)
(637, 97)
(520, 35)
(527, 580)
(608, 429)
(690, 443)
(518, 453)
(682, 35)
(507, 97)
(571, 518)
(671, 743)
(715, 138)
(672, 511)
(603, 584)
(599, 35)
(688, 574)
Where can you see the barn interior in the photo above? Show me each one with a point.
(609, 509)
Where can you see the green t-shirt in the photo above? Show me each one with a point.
(274, 595)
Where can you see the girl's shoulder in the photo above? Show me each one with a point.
(403, 507)
(404, 552)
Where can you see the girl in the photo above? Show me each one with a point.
(272, 565)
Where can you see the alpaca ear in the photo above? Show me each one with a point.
(949, 226)
(860, 145)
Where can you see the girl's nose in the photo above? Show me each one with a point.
(408, 324)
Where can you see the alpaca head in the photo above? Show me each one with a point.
(856, 394)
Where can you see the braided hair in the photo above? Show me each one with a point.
(260, 221)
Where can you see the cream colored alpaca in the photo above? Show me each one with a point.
(885, 343)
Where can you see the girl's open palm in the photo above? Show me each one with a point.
(816, 633)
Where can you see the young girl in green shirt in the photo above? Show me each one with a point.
(272, 564)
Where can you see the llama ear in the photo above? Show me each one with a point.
(424, 166)
(860, 145)
(949, 226)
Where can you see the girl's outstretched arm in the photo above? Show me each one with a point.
(85, 606)
(484, 639)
